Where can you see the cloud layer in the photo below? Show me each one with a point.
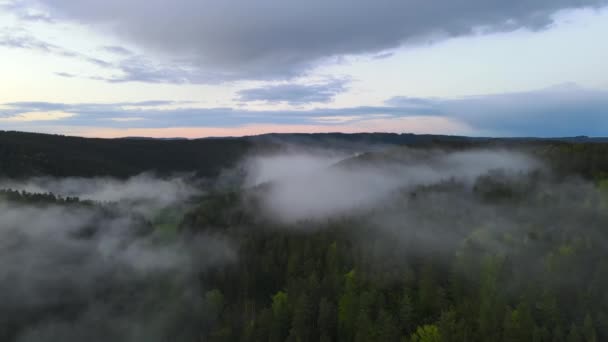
(270, 40)
(295, 94)
(566, 110)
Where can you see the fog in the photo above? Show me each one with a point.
(143, 193)
(100, 272)
(105, 270)
(405, 205)
(309, 186)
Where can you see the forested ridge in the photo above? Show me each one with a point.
(468, 240)
(32, 154)
(450, 270)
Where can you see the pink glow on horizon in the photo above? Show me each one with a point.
(418, 125)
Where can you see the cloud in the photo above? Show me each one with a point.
(566, 110)
(269, 40)
(418, 125)
(126, 119)
(36, 116)
(93, 114)
(152, 103)
(295, 94)
(137, 68)
(119, 50)
(18, 38)
(65, 74)
(24, 12)
(21, 39)
(128, 68)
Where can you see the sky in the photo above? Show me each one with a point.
(198, 68)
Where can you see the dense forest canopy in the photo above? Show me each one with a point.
(371, 237)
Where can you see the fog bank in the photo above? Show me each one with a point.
(305, 186)
(97, 272)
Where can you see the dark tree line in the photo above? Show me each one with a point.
(16, 196)
(31, 154)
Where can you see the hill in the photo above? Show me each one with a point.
(30, 154)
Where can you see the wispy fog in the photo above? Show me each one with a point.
(405, 205)
(101, 272)
(144, 193)
(308, 186)
(285, 167)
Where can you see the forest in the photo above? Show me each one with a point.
(322, 237)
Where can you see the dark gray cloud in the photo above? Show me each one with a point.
(295, 94)
(383, 55)
(558, 111)
(118, 50)
(268, 39)
(563, 110)
(65, 74)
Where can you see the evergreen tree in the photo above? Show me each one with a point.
(302, 325)
(327, 321)
(426, 333)
(280, 317)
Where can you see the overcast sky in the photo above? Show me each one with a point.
(195, 68)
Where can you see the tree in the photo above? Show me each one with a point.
(302, 323)
(280, 317)
(406, 312)
(364, 329)
(589, 330)
(327, 320)
(386, 329)
(426, 333)
(540, 334)
(347, 308)
(428, 292)
(449, 327)
(558, 334)
(573, 335)
(490, 301)
(511, 326)
(213, 308)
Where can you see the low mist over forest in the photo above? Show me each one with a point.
(296, 237)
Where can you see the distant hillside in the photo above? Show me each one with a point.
(29, 154)
(350, 140)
